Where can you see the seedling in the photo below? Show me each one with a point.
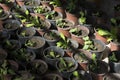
(113, 57)
(24, 34)
(64, 43)
(65, 65)
(41, 9)
(76, 31)
(63, 23)
(88, 44)
(30, 43)
(52, 54)
(110, 35)
(53, 15)
(82, 19)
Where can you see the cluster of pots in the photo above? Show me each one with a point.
(41, 41)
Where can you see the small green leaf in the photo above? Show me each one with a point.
(103, 32)
(73, 30)
(26, 12)
(94, 56)
(29, 25)
(62, 36)
(75, 73)
(85, 47)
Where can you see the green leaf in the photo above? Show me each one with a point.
(86, 38)
(75, 73)
(52, 53)
(82, 20)
(26, 12)
(62, 36)
(73, 30)
(93, 56)
(103, 32)
(86, 47)
(113, 20)
(59, 44)
(29, 25)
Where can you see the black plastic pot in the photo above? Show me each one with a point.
(38, 67)
(56, 51)
(66, 73)
(51, 37)
(11, 25)
(4, 36)
(11, 45)
(99, 71)
(100, 48)
(3, 55)
(112, 76)
(114, 61)
(25, 33)
(38, 44)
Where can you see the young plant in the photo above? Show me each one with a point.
(65, 65)
(82, 19)
(51, 35)
(77, 76)
(10, 45)
(76, 31)
(24, 33)
(53, 15)
(4, 70)
(55, 3)
(41, 9)
(113, 57)
(88, 44)
(38, 23)
(63, 23)
(110, 35)
(64, 42)
(80, 57)
(94, 66)
(52, 54)
(30, 43)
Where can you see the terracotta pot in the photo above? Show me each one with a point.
(84, 32)
(4, 14)
(72, 17)
(20, 3)
(114, 46)
(82, 57)
(61, 10)
(65, 29)
(99, 37)
(5, 7)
